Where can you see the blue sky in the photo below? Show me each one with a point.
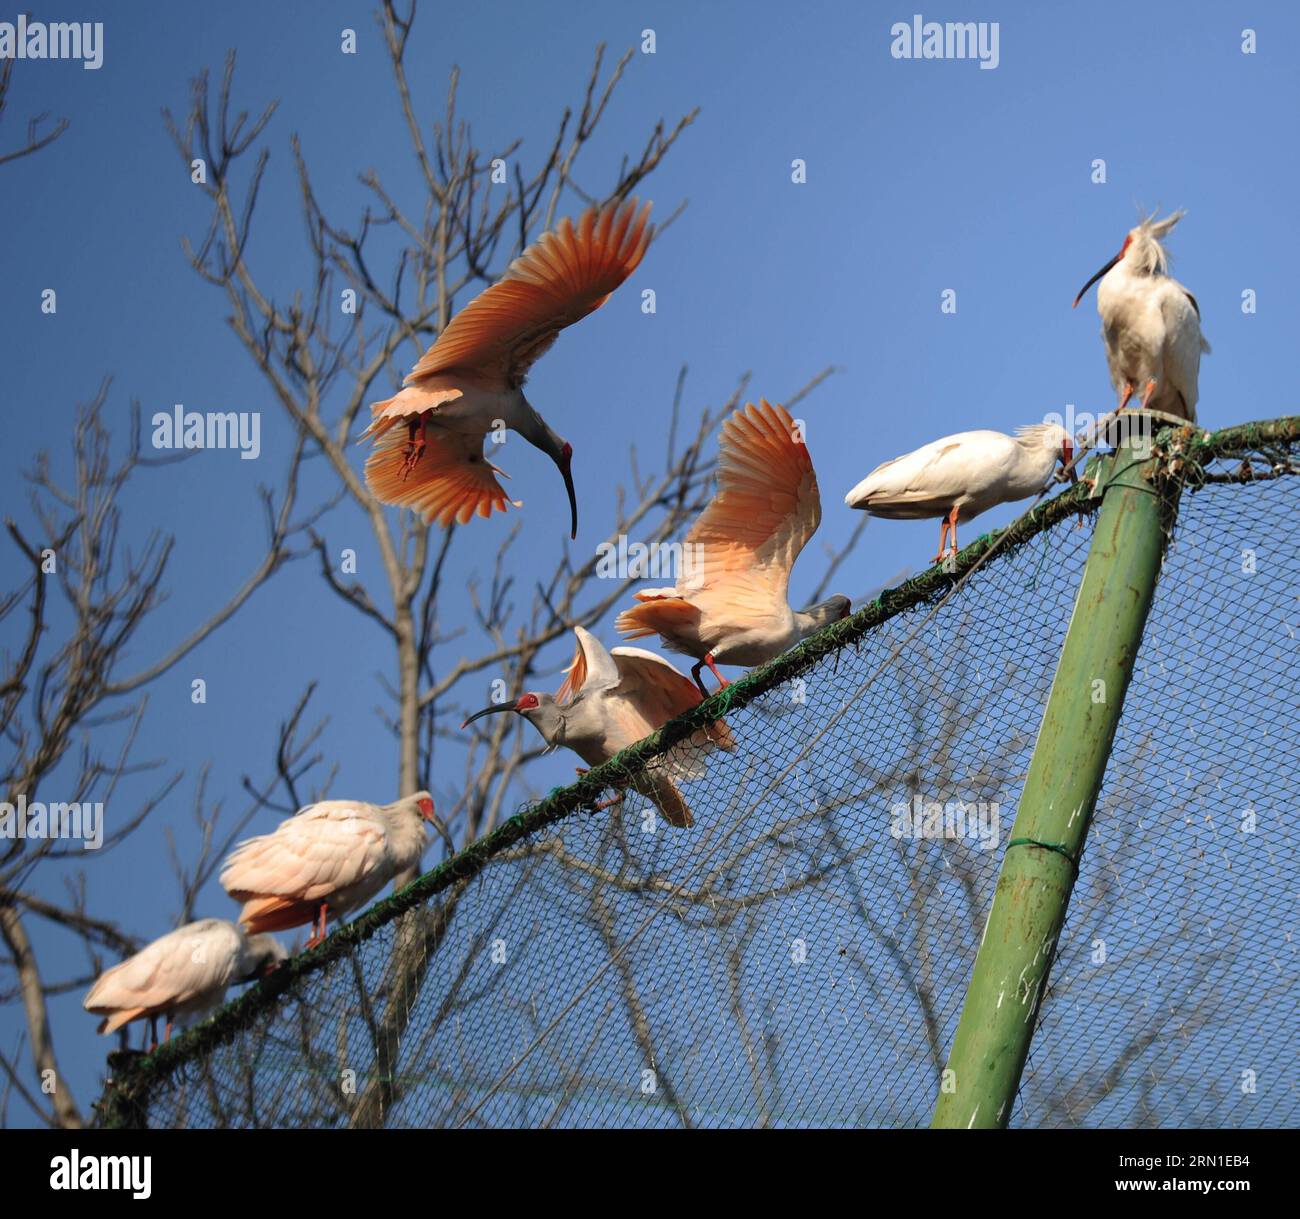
(921, 176)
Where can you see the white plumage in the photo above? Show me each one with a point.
(1150, 323)
(735, 609)
(960, 476)
(182, 975)
(612, 699)
(330, 857)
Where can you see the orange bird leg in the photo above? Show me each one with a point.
(723, 683)
(318, 931)
(1128, 393)
(947, 525)
(609, 801)
(414, 447)
(1147, 393)
(943, 539)
(167, 1032)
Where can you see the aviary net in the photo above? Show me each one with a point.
(800, 957)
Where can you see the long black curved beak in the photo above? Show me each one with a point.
(565, 463)
(1093, 280)
(492, 710)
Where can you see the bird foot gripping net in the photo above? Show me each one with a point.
(800, 957)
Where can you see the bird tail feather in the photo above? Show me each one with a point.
(654, 615)
(274, 913)
(666, 797)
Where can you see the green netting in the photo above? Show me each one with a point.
(794, 960)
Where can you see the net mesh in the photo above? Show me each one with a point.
(800, 957)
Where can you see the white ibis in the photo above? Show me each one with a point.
(960, 476)
(612, 699)
(428, 452)
(182, 976)
(328, 859)
(1151, 324)
(733, 608)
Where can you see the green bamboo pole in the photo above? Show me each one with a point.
(1065, 774)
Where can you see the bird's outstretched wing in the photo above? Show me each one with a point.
(663, 692)
(592, 668)
(452, 481)
(652, 692)
(564, 275)
(414, 400)
(325, 848)
(766, 508)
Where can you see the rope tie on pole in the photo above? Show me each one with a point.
(1059, 847)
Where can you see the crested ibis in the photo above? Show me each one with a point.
(327, 859)
(428, 439)
(735, 608)
(612, 699)
(182, 975)
(960, 476)
(1150, 323)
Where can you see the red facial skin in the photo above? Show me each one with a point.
(1067, 456)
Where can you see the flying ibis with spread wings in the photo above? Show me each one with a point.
(428, 439)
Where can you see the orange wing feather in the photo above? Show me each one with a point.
(452, 481)
(274, 913)
(667, 798)
(566, 274)
(656, 614)
(766, 509)
(575, 676)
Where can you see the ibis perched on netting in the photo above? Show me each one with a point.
(612, 699)
(429, 438)
(733, 607)
(960, 476)
(1150, 323)
(326, 860)
(181, 976)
